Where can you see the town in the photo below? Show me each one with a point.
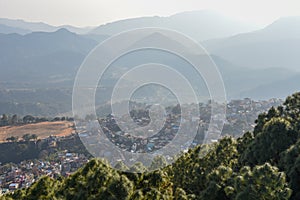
(23, 174)
(62, 159)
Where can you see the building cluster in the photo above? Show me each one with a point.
(22, 175)
(241, 114)
(183, 126)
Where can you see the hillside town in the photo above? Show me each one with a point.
(23, 174)
(240, 117)
(138, 137)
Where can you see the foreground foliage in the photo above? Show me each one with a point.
(263, 164)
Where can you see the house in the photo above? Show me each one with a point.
(13, 186)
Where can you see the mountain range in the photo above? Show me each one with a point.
(277, 45)
(22, 27)
(42, 55)
(254, 62)
(199, 25)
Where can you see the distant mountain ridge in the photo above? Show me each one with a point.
(248, 61)
(279, 87)
(8, 29)
(38, 26)
(199, 25)
(277, 45)
(42, 55)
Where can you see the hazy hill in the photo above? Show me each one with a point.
(43, 59)
(277, 45)
(42, 55)
(278, 88)
(33, 26)
(200, 25)
(8, 29)
(40, 26)
(243, 82)
(260, 64)
(237, 79)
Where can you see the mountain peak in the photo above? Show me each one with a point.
(157, 37)
(197, 13)
(200, 25)
(63, 30)
(286, 22)
(285, 27)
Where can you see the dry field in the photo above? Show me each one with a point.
(42, 130)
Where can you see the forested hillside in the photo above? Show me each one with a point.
(263, 164)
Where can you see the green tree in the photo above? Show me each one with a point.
(28, 119)
(262, 182)
(290, 162)
(14, 120)
(120, 187)
(4, 120)
(26, 137)
(158, 162)
(12, 138)
(121, 166)
(33, 137)
(276, 136)
(217, 181)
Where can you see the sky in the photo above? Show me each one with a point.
(96, 12)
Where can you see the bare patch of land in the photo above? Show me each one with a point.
(42, 130)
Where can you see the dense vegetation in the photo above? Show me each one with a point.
(37, 102)
(14, 120)
(263, 164)
(16, 152)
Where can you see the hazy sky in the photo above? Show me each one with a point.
(96, 12)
